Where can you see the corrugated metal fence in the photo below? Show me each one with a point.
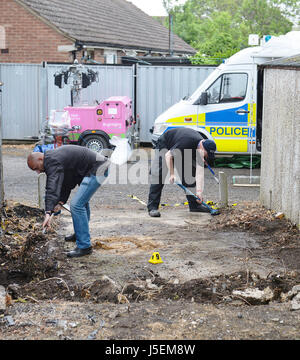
(29, 93)
(20, 100)
(159, 87)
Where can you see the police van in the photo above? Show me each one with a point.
(227, 106)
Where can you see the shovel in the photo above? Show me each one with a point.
(66, 207)
(213, 173)
(187, 191)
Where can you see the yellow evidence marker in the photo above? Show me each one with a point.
(155, 258)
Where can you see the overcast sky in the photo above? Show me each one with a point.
(151, 7)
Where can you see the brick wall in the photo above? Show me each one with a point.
(27, 38)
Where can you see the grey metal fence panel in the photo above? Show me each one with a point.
(29, 93)
(113, 81)
(159, 87)
(20, 100)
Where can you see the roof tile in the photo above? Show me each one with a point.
(116, 23)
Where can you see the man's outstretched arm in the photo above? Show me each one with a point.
(170, 164)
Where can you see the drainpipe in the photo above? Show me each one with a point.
(171, 34)
(74, 55)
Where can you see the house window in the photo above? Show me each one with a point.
(131, 53)
(110, 56)
(89, 55)
(2, 38)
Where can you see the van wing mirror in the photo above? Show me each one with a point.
(202, 99)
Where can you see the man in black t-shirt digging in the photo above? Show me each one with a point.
(185, 150)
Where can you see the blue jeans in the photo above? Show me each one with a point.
(80, 209)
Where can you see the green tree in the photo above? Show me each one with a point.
(263, 18)
(219, 28)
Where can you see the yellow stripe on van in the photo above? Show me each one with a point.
(252, 113)
(186, 120)
(201, 119)
(231, 145)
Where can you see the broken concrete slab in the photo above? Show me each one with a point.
(295, 290)
(2, 299)
(255, 296)
(295, 303)
(9, 320)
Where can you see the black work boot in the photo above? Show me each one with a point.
(71, 238)
(80, 252)
(195, 206)
(154, 213)
(200, 208)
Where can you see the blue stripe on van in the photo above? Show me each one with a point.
(170, 127)
(228, 117)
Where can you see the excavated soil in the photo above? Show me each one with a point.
(37, 274)
(33, 261)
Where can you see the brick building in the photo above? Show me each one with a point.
(103, 31)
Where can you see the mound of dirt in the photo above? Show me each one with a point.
(23, 211)
(25, 252)
(254, 218)
(213, 290)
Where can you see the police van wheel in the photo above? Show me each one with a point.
(94, 142)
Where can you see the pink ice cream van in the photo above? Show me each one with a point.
(95, 125)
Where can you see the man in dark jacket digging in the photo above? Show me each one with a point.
(66, 167)
(185, 150)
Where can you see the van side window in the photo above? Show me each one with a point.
(228, 88)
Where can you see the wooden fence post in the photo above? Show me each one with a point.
(223, 189)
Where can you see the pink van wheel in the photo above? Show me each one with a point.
(94, 142)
